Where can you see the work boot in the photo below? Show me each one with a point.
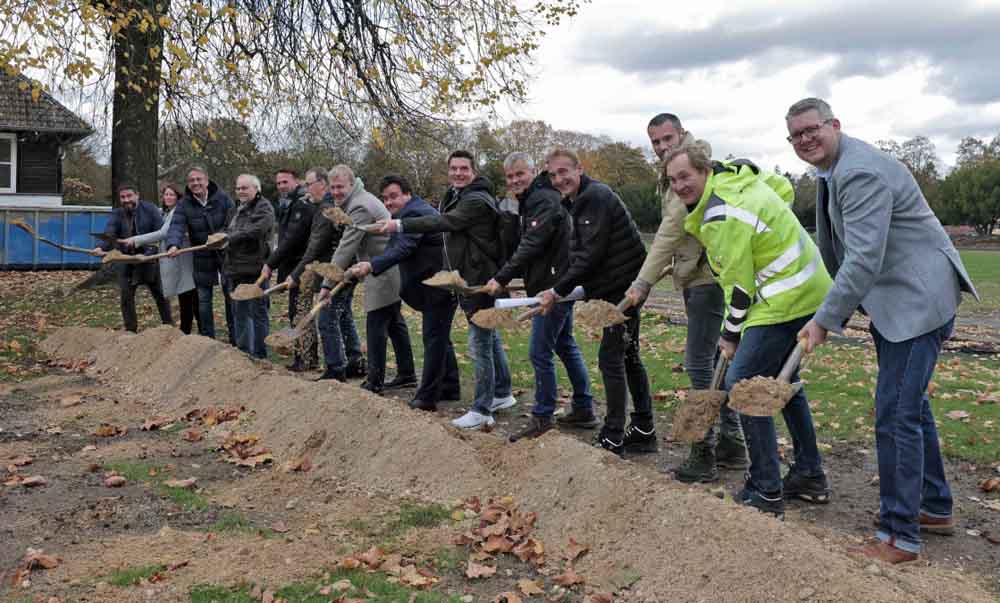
(814, 489)
(771, 503)
(374, 388)
(332, 373)
(581, 419)
(427, 405)
(641, 441)
(401, 381)
(699, 466)
(731, 453)
(356, 368)
(537, 427)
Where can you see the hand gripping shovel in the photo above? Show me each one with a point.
(31, 231)
(700, 407)
(246, 292)
(286, 338)
(214, 241)
(765, 396)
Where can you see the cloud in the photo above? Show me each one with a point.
(958, 42)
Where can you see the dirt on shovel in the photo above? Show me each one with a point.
(760, 396)
(496, 318)
(327, 270)
(117, 257)
(598, 314)
(700, 407)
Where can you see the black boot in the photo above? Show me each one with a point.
(357, 368)
(332, 373)
(581, 419)
(537, 427)
(639, 440)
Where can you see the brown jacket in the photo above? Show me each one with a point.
(673, 244)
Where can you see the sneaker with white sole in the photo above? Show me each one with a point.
(473, 420)
(502, 403)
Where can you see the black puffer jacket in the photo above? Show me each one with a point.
(324, 237)
(249, 232)
(546, 229)
(469, 217)
(607, 252)
(197, 221)
(294, 223)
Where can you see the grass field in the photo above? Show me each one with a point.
(840, 377)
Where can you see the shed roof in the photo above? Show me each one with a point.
(19, 112)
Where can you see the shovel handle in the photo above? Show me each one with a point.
(529, 314)
(624, 304)
(720, 371)
(280, 286)
(793, 362)
(260, 280)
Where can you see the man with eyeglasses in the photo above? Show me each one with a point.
(892, 260)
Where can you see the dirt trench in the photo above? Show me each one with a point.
(668, 541)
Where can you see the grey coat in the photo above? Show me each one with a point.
(884, 247)
(176, 274)
(364, 208)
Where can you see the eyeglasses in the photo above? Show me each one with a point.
(809, 132)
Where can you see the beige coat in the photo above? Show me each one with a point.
(673, 245)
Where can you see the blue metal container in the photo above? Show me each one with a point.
(69, 225)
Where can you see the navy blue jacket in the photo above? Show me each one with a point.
(197, 221)
(148, 218)
(418, 256)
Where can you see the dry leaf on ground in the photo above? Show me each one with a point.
(568, 577)
(574, 549)
(107, 430)
(599, 598)
(185, 484)
(21, 461)
(478, 570)
(115, 481)
(530, 587)
(990, 484)
(507, 597)
(34, 481)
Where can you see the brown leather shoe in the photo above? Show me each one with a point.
(883, 551)
(943, 526)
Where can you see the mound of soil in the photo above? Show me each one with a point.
(670, 543)
(760, 396)
(696, 414)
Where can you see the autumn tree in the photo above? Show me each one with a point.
(971, 195)
(262, 62)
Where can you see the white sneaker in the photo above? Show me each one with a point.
(502, 403)
(473, 420)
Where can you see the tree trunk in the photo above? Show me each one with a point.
(136, 108)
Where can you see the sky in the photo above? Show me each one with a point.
(730, 70)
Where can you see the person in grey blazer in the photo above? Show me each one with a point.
(176, 274)
(892, 260)
(381, 301)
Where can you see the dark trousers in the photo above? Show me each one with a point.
(623, 373)
(128, 288)
(206, 313)
(440, 377)
(188, 302)
(910, 467)
(387, 323)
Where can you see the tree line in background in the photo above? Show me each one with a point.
(968, 195)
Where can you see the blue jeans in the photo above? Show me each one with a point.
(206, 317)
(704, 308)
(910, 468)
(336, 328)
(554, 334)
(761, 352)
(492, 370)
(250, 322)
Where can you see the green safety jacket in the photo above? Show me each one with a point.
(767, 264)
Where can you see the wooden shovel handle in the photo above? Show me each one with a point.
(529, 314)
(279, 287)
(793, 362)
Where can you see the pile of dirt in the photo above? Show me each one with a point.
(760, 396)
(669, 542)
(598, 314)
(696, 414)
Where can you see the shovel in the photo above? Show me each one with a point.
(451, 280)
(765, 396)
(340, 217)
(214, 241)
(31, 231)
(494, 317)
(700, 407)
(246, 292)
(599, 314)
(286, 338)
(327, 270)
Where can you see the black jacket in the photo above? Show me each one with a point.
(197, 222)
(294, 224)
(146, 218)
(324, 236)
(607, 251)
(469, 217)
(249, 232)
(543, 250)
(418, 256)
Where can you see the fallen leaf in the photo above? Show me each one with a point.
(21, 461)
(267, 597)
(507, 597)
(115, 481)
(341, 585)
(42, 560)
(34, 481)
(574, 549)
(498, 544)
(599, 598)
(156, 423)
(530, 550)
(530, 587)
(176, 566)
(990, 484)
(568, 577)
(477, 570)
(279, 527)
(303, 464)
(107, 431)
(957, 415)
(185, 484)
(411, 576)
(192, 435)
(70, 401)
(372, 557)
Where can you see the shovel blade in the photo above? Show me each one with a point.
(246, 292)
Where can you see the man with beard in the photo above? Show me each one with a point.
(135, 217)
(541, 255)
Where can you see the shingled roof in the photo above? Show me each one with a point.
(19, 112)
